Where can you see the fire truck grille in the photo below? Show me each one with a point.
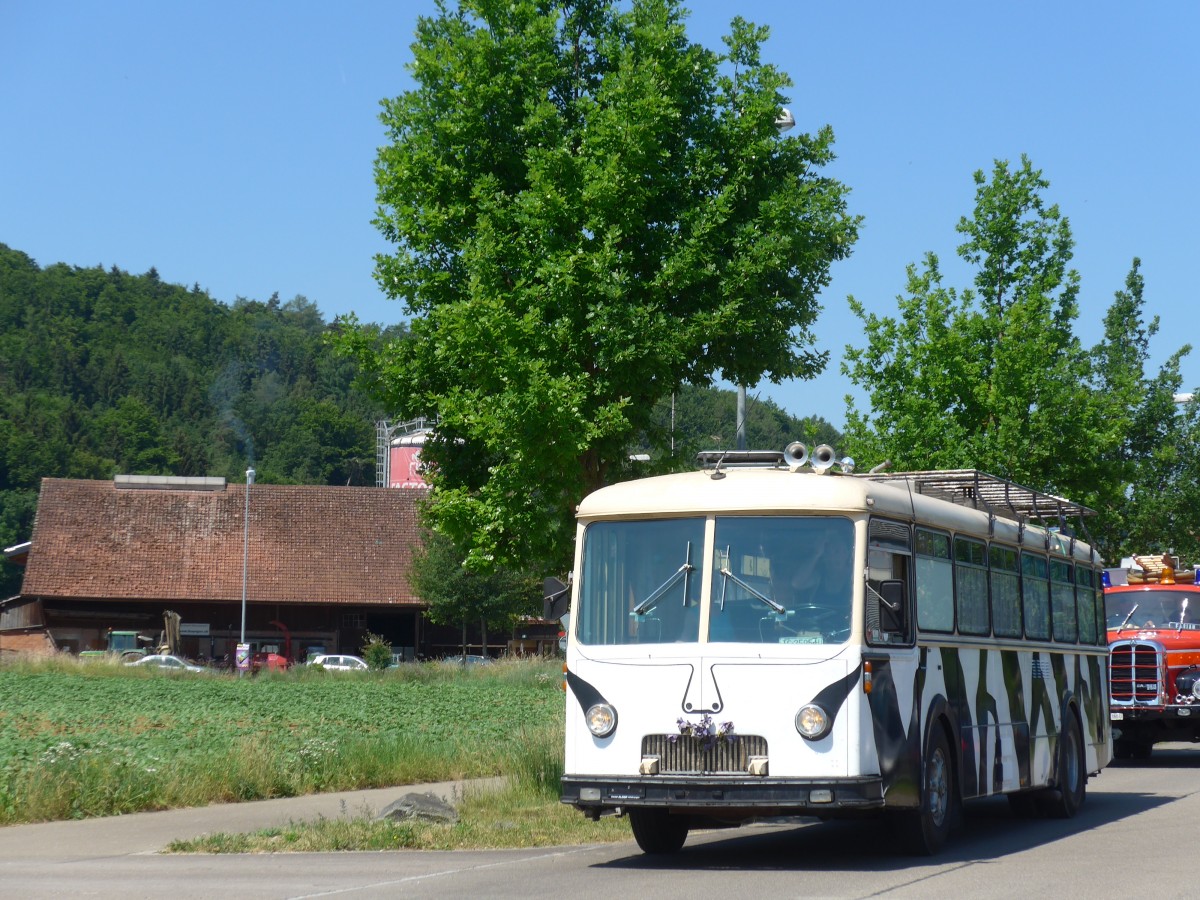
(689, 756)
(1134, 673)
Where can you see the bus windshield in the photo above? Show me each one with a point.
(773, 580)
(782, 580)
(639, 582)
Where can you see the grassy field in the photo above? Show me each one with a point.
(96, 739)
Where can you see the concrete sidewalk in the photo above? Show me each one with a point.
(150, 832)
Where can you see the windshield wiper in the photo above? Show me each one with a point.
(682, 572)
(1128, 617)
(729, 576)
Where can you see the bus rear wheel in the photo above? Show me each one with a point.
(657, 831)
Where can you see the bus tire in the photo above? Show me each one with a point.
(657, 831)
(926, 830)
(1064, 801)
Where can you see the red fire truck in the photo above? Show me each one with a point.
(1153, 610)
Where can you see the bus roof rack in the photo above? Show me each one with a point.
(970, 487)
(729, 459)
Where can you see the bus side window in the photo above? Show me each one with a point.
(888, 609)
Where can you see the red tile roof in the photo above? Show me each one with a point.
(93, 540)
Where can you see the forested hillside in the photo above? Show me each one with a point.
(706, 419)
(105, 373)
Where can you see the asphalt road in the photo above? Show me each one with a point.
(1133, 838)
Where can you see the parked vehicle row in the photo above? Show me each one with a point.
(333, 662)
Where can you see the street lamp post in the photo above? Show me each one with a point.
(783, 122)
(245, 549)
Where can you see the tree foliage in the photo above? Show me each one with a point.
(993, 377)
(457, 595)
(706, 419)
(1153, 456)
(588, 211)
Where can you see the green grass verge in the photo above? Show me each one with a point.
(518, 815)
(95, 739)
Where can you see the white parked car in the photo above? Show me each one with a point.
(339, 662)
(166, 661)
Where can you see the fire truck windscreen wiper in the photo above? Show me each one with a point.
(682, 572)
(1182, 615)
(1128, 616)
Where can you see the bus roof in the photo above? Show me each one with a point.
(961, 500)
(970, 487)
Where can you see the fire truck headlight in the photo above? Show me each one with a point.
(813, 722)
(601, 719)
(1187, 684)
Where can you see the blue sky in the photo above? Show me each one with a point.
(231, 144)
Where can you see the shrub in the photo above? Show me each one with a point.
(377, 652)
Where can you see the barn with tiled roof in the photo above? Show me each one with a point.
(320, 566)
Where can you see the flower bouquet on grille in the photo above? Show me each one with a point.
(705, 732)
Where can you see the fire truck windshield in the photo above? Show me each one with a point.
(1147, 609)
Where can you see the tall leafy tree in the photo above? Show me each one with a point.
(588, 210)
(1152, 452)
(990, 377)
(993, 377)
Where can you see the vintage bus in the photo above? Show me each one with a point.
(774, 636)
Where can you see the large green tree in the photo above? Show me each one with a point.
(993, 377)
(1153, 452)
(588, 211)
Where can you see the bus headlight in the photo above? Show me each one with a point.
(812, 722)
(601, 719)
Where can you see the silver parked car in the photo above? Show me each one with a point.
(166, 661)
(339, 662)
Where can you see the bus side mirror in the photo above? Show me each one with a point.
(891, 605)
(556, 599)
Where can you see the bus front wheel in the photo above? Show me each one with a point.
(657, 831)
(926, 830)
(1064, 801)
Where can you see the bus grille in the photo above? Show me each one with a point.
(1135, 673)
(689, 756)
